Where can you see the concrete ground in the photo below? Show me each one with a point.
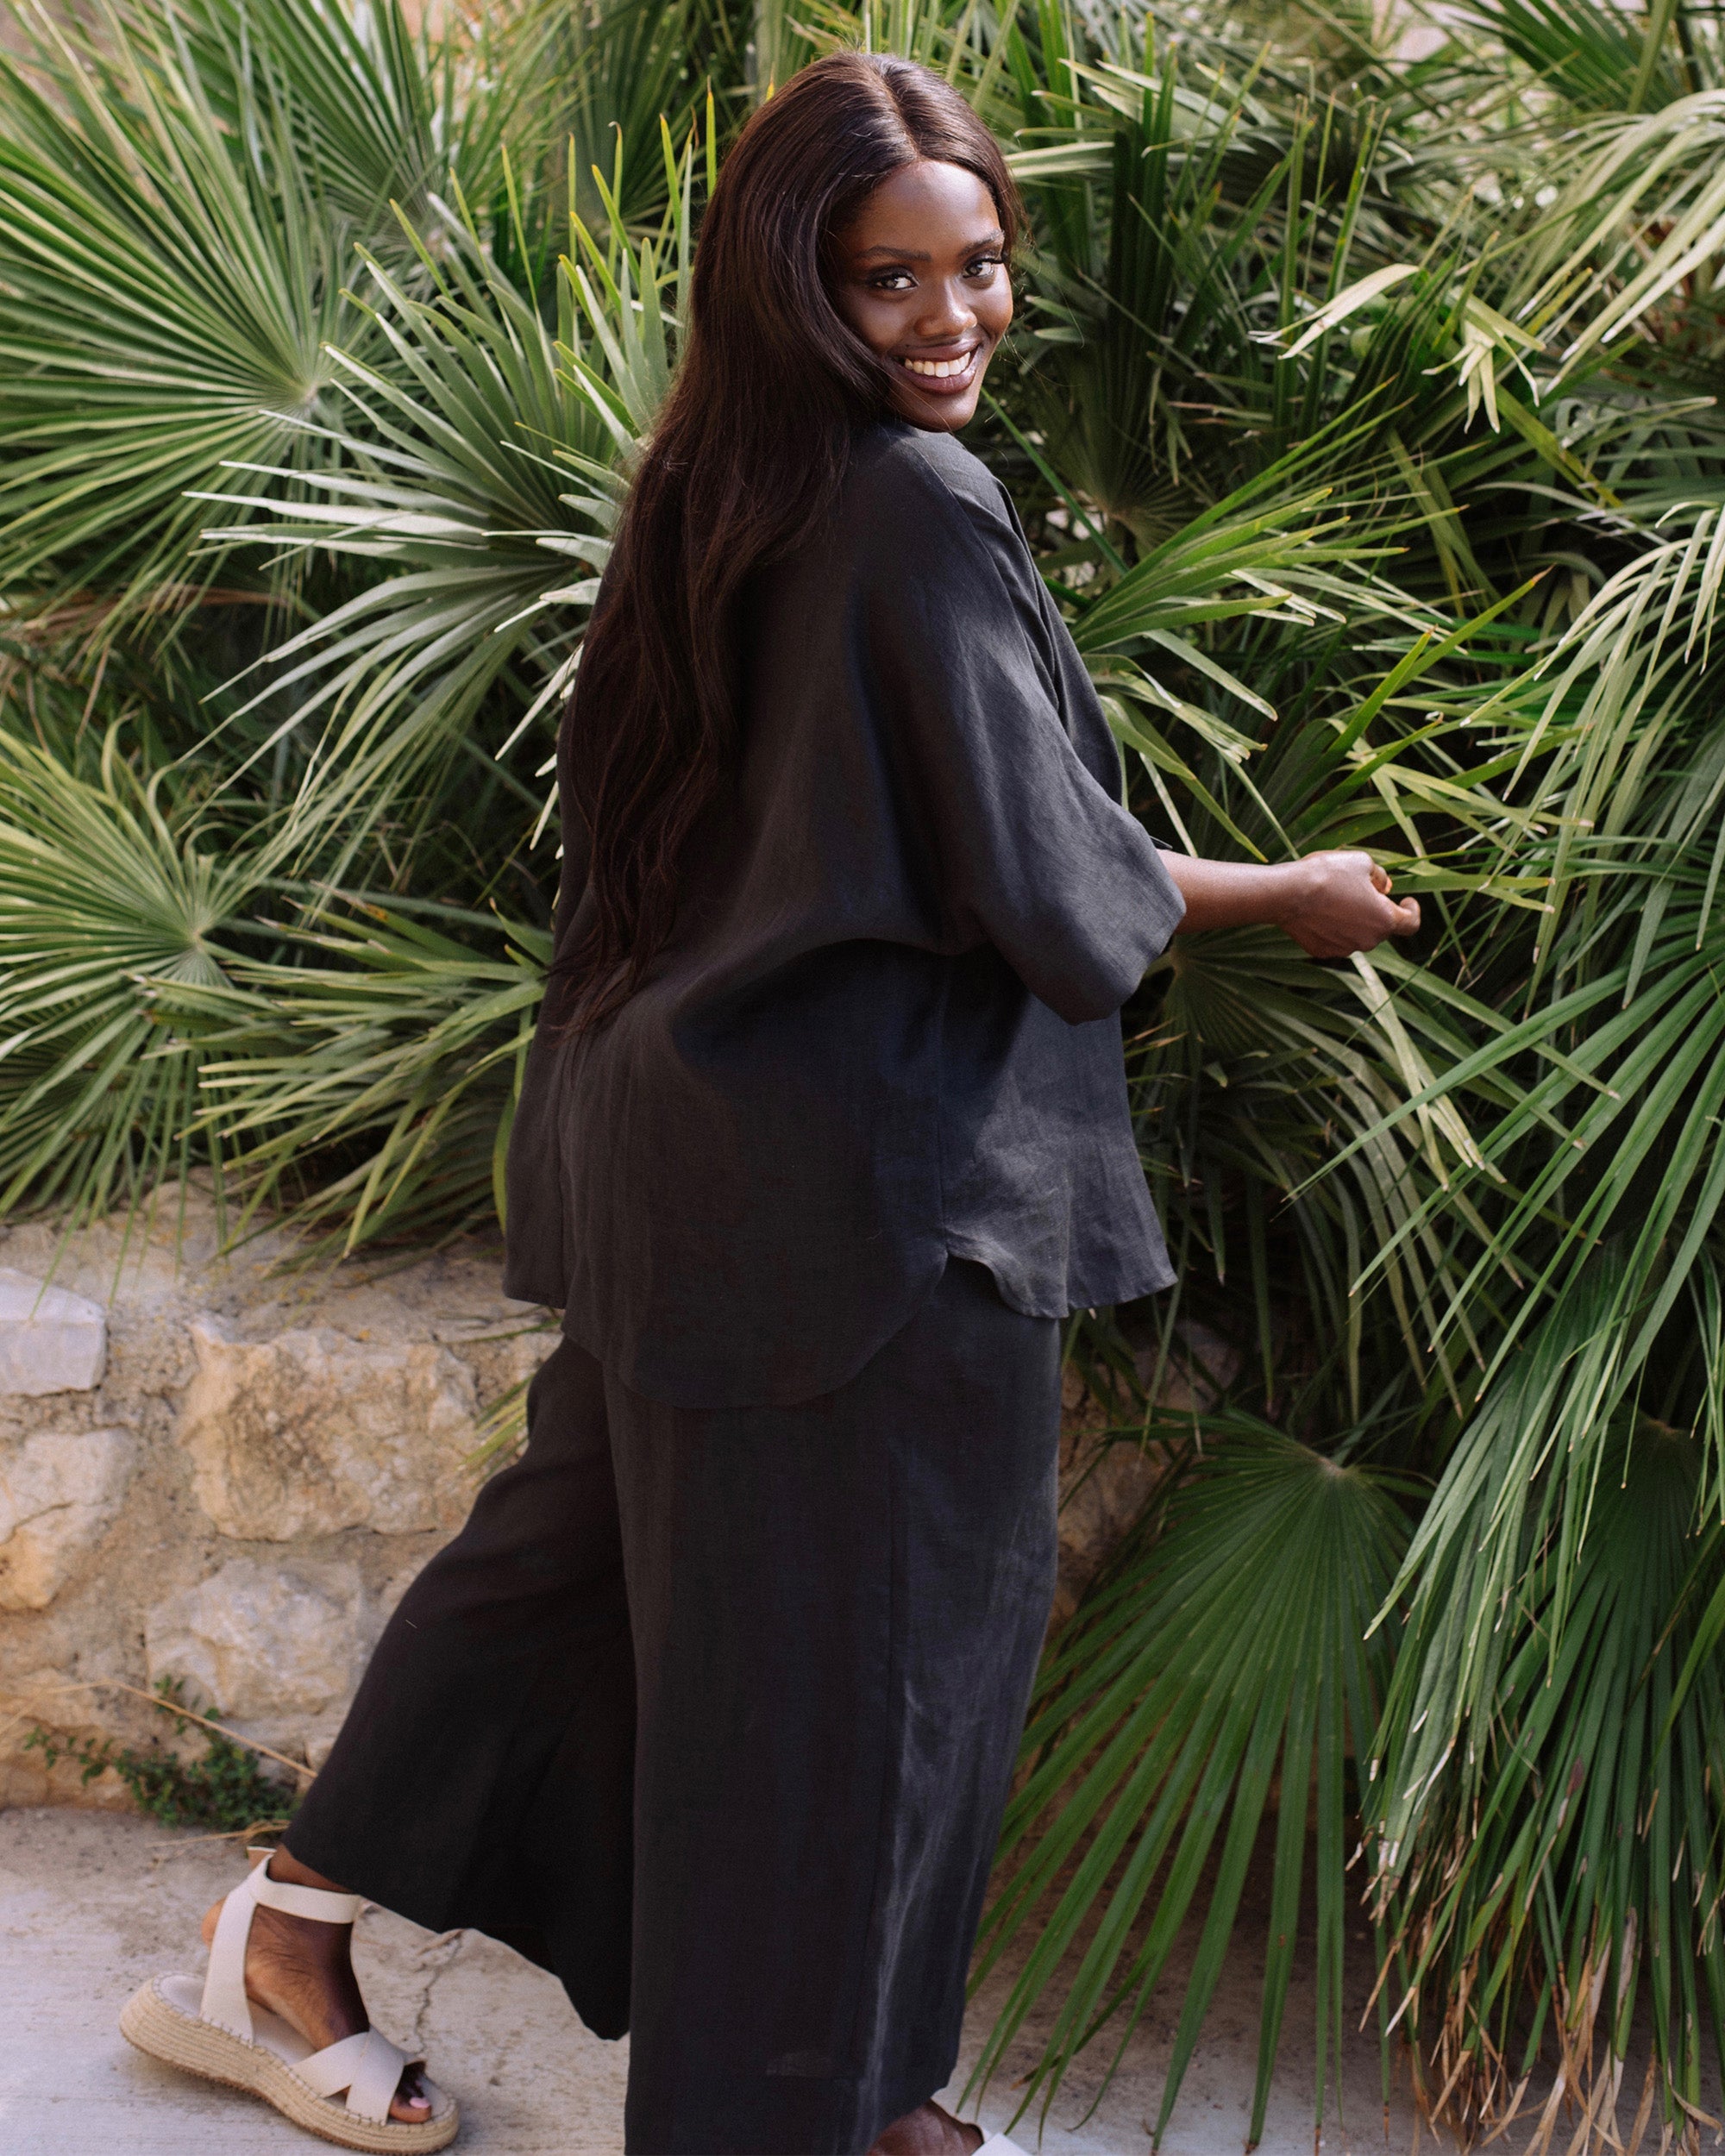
(91, 1904)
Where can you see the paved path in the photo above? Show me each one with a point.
(91, 1904)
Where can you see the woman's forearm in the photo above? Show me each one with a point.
(1232, 893)
(1331, 903)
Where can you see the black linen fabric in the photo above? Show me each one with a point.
(885, 1030)
(714, 1713)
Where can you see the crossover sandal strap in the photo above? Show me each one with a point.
(225, 1987)
(369, 2066)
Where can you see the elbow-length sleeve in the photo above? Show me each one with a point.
(1024, 845)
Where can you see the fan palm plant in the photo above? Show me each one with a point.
(147, 333)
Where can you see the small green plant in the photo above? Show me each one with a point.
(228, 1790)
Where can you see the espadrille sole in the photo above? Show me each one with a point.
(155, 2024)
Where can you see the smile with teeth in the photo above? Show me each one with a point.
(943, 370)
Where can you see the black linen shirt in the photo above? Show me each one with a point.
(886, 1028)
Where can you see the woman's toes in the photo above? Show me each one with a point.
(411, 2106)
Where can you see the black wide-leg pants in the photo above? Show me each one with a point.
(713, 1713)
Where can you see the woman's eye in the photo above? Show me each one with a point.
(901, 281)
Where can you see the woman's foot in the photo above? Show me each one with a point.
(928, 2131)
(302, 1971)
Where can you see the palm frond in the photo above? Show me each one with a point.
(1219, 1670)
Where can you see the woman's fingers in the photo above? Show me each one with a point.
(1396, 917)
(1346, 906)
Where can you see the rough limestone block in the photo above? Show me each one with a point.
(50, 1341)
(259, 1639)
(313, 1431)
(59, 1490)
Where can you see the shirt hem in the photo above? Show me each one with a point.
(1127, 1288)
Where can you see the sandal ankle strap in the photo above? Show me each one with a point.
(323, 1905)
(318, 1903)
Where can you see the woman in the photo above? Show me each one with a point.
(712, 1706)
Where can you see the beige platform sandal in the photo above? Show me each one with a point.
(219, 2032)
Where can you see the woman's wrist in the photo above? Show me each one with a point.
(1292, 883)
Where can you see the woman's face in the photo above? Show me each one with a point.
(922, 279)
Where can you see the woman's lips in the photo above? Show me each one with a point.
(958, 370)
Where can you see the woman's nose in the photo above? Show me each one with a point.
(947, 314)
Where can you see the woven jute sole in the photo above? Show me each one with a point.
(156, 2026)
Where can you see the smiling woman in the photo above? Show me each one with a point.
(824, 1131)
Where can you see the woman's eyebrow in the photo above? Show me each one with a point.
(921, 254)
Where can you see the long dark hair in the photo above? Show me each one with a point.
(747, 454)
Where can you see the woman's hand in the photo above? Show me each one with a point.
(1331, 903)
(1345, 905)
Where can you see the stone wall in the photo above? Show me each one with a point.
(214, 1471)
